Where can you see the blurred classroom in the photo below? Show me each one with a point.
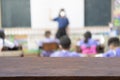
(25, 22)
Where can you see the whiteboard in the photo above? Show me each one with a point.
(42, 9)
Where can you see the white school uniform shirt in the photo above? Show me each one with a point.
(80, 54)
(65, 53)
(99, 55)
(7, 43)
(47, 40)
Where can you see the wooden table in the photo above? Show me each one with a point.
(59, 68)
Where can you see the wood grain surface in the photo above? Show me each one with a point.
(59, 67)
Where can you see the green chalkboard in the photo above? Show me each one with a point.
(97, 12)
(16, 13)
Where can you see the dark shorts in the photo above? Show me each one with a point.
(61, 32)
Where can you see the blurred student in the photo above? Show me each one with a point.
(114, 46)
(87, 45)
(65, 44)
(4, 43)
(63, 23)
(48, 39)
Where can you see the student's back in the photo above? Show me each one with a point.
(88, 45)
(65, 44)
(114, 46)
(112, 53)
(91, 42)
(64, 53)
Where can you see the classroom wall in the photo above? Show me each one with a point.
(42, 9)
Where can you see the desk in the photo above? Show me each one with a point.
(59, 68)
(11, 53)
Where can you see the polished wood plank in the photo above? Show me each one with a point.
(59, 67)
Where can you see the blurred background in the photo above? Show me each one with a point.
(27, 20)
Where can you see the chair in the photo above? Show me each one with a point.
(16, 48)
(50, 46)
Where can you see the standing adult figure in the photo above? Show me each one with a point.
(63, 23)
